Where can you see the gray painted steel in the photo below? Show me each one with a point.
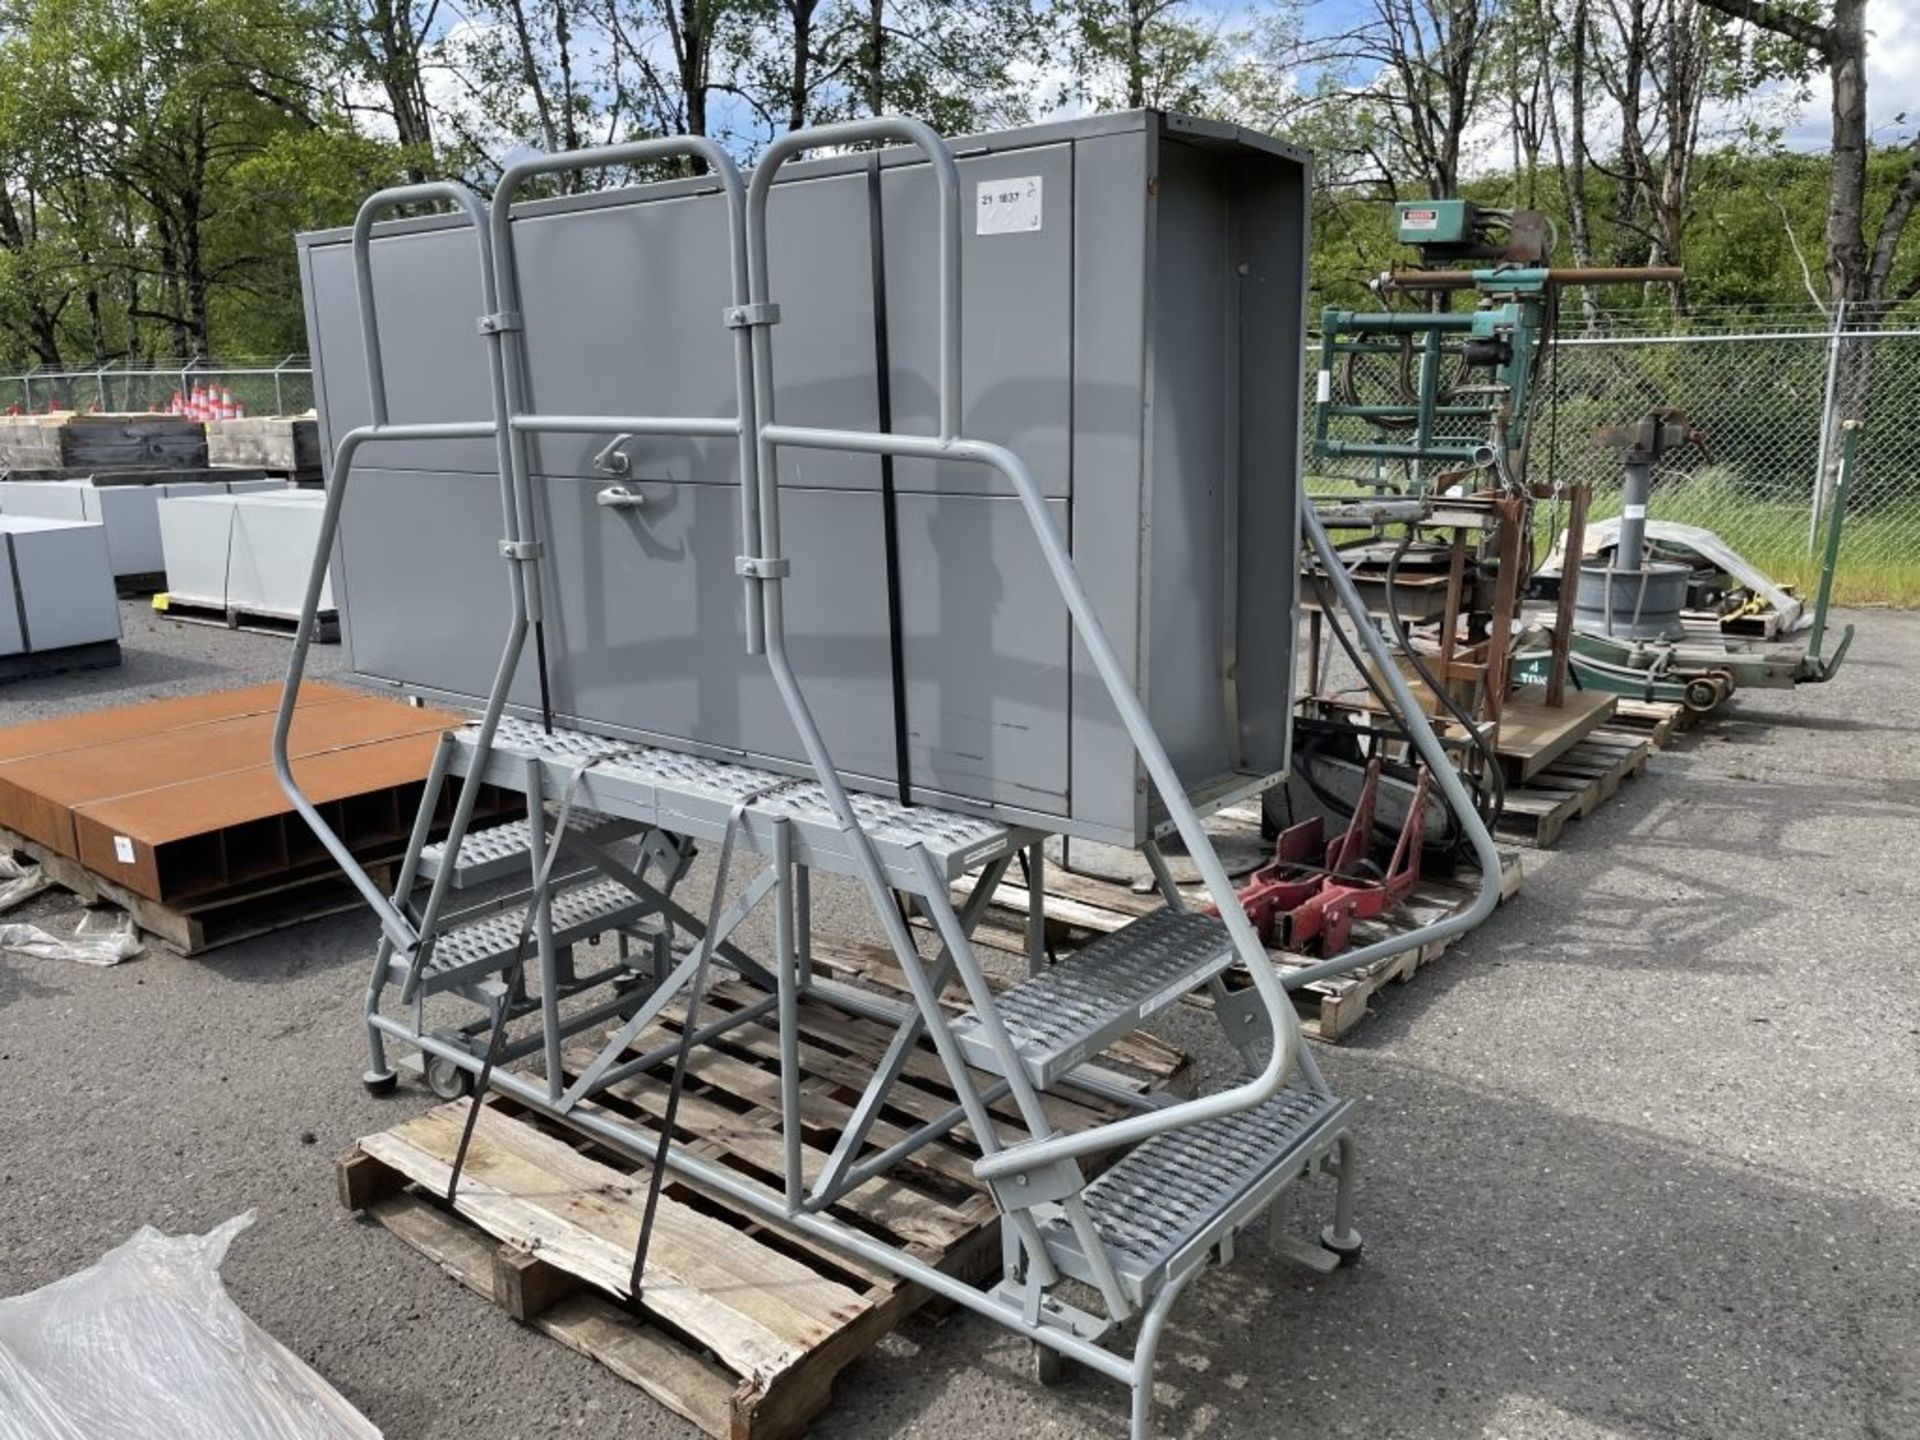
(1139, 349)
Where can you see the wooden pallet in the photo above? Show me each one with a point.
(741, 1327)
(1535, 814)
(1328, 1009)
(326, 629)
(211, 922)
(1660, 721)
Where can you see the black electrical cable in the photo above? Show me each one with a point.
(889, 503)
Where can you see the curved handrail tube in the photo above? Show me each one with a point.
(374, 206)
(1055, 551)
(602, 157)
(1431, 751)
(946, 177)
(392, 922)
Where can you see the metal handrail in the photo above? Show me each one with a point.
(395, 925)
(1054, 548)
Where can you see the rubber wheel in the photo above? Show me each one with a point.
(1701, 695)
(1049, 1365)
(1348, 1250)
(448, 1080)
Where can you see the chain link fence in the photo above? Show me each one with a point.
(1769, 404)
(281, 386)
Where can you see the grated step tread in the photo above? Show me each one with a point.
(489, 940)
(1182, 1192)
(501, 851)
(1072, 1010)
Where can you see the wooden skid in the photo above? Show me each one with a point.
(1574, 786)
(1328, 1009)
(210, 922)
(740, 1327)
(326, 629)
(1657, 720)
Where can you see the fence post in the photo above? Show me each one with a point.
(1826, 425)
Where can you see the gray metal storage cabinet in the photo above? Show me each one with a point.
(1133, 312)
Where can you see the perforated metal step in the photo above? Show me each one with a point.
(1178, 1194)
(500, 851)
(1071, 1011)
(695, 795)
(485, 945)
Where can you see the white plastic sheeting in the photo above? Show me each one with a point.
(101, 938)
(1604, 535)
(146, 1343)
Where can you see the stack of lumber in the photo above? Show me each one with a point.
(285, 445)
(99, 442)
(171, 808)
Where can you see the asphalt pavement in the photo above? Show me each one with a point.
(1639, 1156)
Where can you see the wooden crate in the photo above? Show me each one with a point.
(284, 444)
(1591, 773)
(741, 1327)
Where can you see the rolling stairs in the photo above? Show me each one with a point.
(1163, 1211)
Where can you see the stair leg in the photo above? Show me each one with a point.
(1340, 1237)
(379, 1079)
(1144, 1347)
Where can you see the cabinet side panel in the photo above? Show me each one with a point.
(1111, 180)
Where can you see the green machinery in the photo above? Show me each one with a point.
(1656, 656)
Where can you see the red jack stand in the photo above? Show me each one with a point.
(1291, 901)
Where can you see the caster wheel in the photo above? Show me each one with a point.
(1348, 1249)
(380, 1082)
(1701, 695)
(448, 1080)
(1049, 1365)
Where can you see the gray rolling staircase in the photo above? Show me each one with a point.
(1175, 1200)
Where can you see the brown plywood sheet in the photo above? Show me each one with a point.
(155, 842)
(124, 722)
(38, 795)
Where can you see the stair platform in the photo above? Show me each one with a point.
(500, 852)
(695, 795)
(1071, 1011)
(485, 945)
(1161, 1207)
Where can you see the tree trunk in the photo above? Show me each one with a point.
(801, 12)
(876, 58)
(1136, 54)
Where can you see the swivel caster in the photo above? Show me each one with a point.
(1347, 1247)
(1049, 1365)
(380, 1082)
(448, 1080)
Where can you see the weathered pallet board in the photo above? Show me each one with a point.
(326, 629)
(212, 922)
(1536, 814)
(740, 1327)
(1660, 721)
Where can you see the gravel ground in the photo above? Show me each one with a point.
(1640, 1155)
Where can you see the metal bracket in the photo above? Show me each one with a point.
(742, 317)
(522, 549)
(756, 567)
(499, 323)
(1045, 1184)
